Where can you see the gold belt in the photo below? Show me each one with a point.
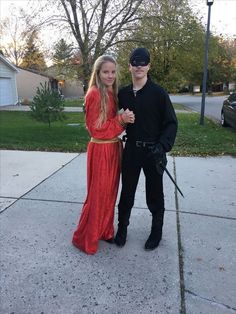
(98, 141)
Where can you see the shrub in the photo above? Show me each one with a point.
(47, 105)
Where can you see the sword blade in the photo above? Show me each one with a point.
(170, 176)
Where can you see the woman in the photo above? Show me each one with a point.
(103, 156)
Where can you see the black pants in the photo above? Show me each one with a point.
(135, 159)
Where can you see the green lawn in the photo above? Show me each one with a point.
(19, 131)
(74, 102)
(203, 140)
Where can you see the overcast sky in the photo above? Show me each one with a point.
(223, 13)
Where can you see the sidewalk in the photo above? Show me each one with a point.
(192, 271)
(27, 108)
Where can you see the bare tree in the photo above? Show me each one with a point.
(98, 25)
(14, 38)
(14, 31)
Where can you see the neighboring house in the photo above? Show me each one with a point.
(69, 85)
(28, 81)
(8, 86)
(71, 88)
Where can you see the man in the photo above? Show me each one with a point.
(148, 139)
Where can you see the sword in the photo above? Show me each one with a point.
(167, 171)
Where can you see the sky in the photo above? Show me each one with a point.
(223, 14)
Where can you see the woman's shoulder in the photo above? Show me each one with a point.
(92, 96)
(93, 92)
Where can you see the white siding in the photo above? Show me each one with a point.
(8, 91)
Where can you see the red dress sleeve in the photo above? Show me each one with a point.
(111, 127)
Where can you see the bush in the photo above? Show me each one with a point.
(47, 105)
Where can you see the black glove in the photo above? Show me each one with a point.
(159, 156)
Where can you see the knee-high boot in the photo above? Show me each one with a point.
(156, 231)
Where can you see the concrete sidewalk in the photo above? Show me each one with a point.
(192, 271)
(27, 108)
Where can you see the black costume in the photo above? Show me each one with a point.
(155, 126)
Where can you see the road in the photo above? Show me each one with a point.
(213, 104)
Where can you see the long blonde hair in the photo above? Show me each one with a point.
(96, 81)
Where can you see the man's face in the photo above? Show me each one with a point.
(139, 72)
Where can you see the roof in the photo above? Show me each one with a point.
(8, 63)
(37, 73)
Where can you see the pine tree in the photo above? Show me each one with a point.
(47, 105)
(63, 52)
(33, 58)
(62, 59)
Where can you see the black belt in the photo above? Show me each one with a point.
(142, 144)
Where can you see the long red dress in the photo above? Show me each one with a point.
(103, 173)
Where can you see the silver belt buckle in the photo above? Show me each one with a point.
(138, 143)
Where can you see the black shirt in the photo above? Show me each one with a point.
(155, 118)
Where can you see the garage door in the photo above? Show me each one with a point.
(6, 95)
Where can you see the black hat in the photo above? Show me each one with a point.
(139, 57)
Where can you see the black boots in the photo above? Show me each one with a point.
(153, 239)
(156, 232)
(121, 235)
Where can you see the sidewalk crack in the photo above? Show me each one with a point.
(180, 248)
(210, 301)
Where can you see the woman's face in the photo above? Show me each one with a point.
(107, 74)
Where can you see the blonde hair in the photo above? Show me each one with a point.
(96, 81)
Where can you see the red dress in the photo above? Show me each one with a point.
(103, 174)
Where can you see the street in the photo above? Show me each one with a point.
(213, 104)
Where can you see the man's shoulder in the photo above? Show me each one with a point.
(158, 88)
(125, 88)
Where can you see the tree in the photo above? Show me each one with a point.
(47, 105)
(222, 57)
(63, 53)
(14, 32)
(98, 25)
(62, 59)
(33, 58)
(173, 36)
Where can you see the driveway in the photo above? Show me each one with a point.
(213, 104)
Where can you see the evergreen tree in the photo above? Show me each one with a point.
(33, 58)
(47, 105)
(63, 53)
(62, 59)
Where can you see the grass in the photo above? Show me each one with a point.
(19, 131)
(179, 107)
(74, 102)
(209, 139)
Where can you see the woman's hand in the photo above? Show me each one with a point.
(128, 116)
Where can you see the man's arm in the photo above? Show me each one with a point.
(169, 125)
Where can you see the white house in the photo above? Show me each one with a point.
(8, 87)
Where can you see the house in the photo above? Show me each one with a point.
(71, 88)
(8, 86)
(19, 86)
(27, 82)
(69, 85)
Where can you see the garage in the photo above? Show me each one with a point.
(8, 89)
